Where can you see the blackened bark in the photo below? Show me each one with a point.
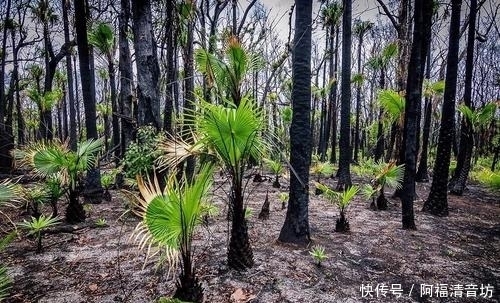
(171, 66)
(379, 147)
(148, 70)
(6, 139)
(422, 171)
(333, 95)
(344, 172)
(459, 178)
(421, 40)
(189, 97)
(126, 76)
(239, 254)
(296, 226)
(437, 201)
(93, 185)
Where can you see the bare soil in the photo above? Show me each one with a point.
(103, 265)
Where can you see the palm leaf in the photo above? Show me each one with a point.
(170, 216)
(393, 176)
(392, 102)
(5, 282)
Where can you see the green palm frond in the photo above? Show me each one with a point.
(392, 102)
(9, 192)
(478, 117)
(38, 194)
(332, 13)
(5, 283)
(234, 133)
(368, 191)
(36, 225)
(486, 114)
(341, 199)
(87, 151)
(390, 51)
(438, 87)
(275, 166)
(102, 37)
(169, 217)
(391, 175)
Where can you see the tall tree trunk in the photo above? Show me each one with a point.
(422, 171)
(420, 45)
(93, 188)
(333, 95)
(77, 104)
(189, 97)
(296, 226)
(358, 104)
(171, 66)
(459, 178)
(148, 70)
(6, 140)
(379, 147)
(344, 172)
(115, 110)
(126, 78)
(437, 201)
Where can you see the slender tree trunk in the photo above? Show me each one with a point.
(71, 91)
(437, 201)
(358, 103)
(171, 66)
(189, 97)
(459, 178)
(422, 171)
(379, 147)
(420, 45)
(296, 226)
(115, 110)
(333, 97)
(344, 172)
(93, 183)
(6, 139)
(148, 70)
(126, 78)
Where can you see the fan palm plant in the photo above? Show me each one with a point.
(276, 168)
(50, 158)
(169, 219)
(35, 196)
(232, 135)
(342, 200)
(384, 175)
(36, 225)
(56, 190)
(230, 132)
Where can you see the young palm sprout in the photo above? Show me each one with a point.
(169, 219)
(276, 168)
(35, 227)
(342, 200)
(385, 175)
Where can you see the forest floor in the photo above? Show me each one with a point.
(459, 253)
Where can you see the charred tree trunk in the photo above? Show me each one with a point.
(437, 201)
(344, 172)
(459, 178)
(126, 78)
(420, 45)
(296, 226)
(148, 70)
